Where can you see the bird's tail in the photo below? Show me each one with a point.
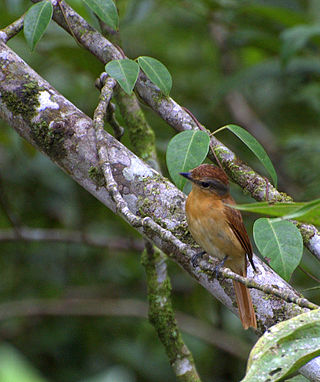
(246, 311)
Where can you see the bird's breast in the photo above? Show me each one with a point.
(210, 229)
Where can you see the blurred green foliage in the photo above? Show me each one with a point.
(212, 48)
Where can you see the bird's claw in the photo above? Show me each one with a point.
(217, 268)
(196, 257)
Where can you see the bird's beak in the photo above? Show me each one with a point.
(186, 175)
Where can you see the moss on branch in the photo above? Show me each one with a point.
(24, 100)
(162, 317)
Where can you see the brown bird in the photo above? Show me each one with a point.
(219, 229)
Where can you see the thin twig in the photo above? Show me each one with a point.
(11, 30)
(250, 283)
(109, 114)
(67, 22)
(112, 187)
(314, 278)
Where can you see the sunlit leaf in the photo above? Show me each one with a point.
(157, 73)
(36, 22)
(125, 72)
(280, 243)
(15, 367)
(185, 151)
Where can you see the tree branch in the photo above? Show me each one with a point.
(250, 283)
(180, 120)
(52, 124)
(74, 237)
(68, 138)
(11, 30)
(162, 317)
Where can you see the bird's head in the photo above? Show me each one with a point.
(209, 178)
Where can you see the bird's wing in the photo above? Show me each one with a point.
(235, 222)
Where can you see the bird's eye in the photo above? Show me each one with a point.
(205, 184)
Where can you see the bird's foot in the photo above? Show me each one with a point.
(196, 257)
(217, 268)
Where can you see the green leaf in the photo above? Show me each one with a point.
(36, 22)
(296, 38)
(280, 243)
(125, 72)
(297, 378)
(157, 73)
(15, 367)
(284, 348)
(105, 10)
(308, 212)
(254, 146)
(185, 151)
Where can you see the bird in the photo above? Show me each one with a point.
(219, 229)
